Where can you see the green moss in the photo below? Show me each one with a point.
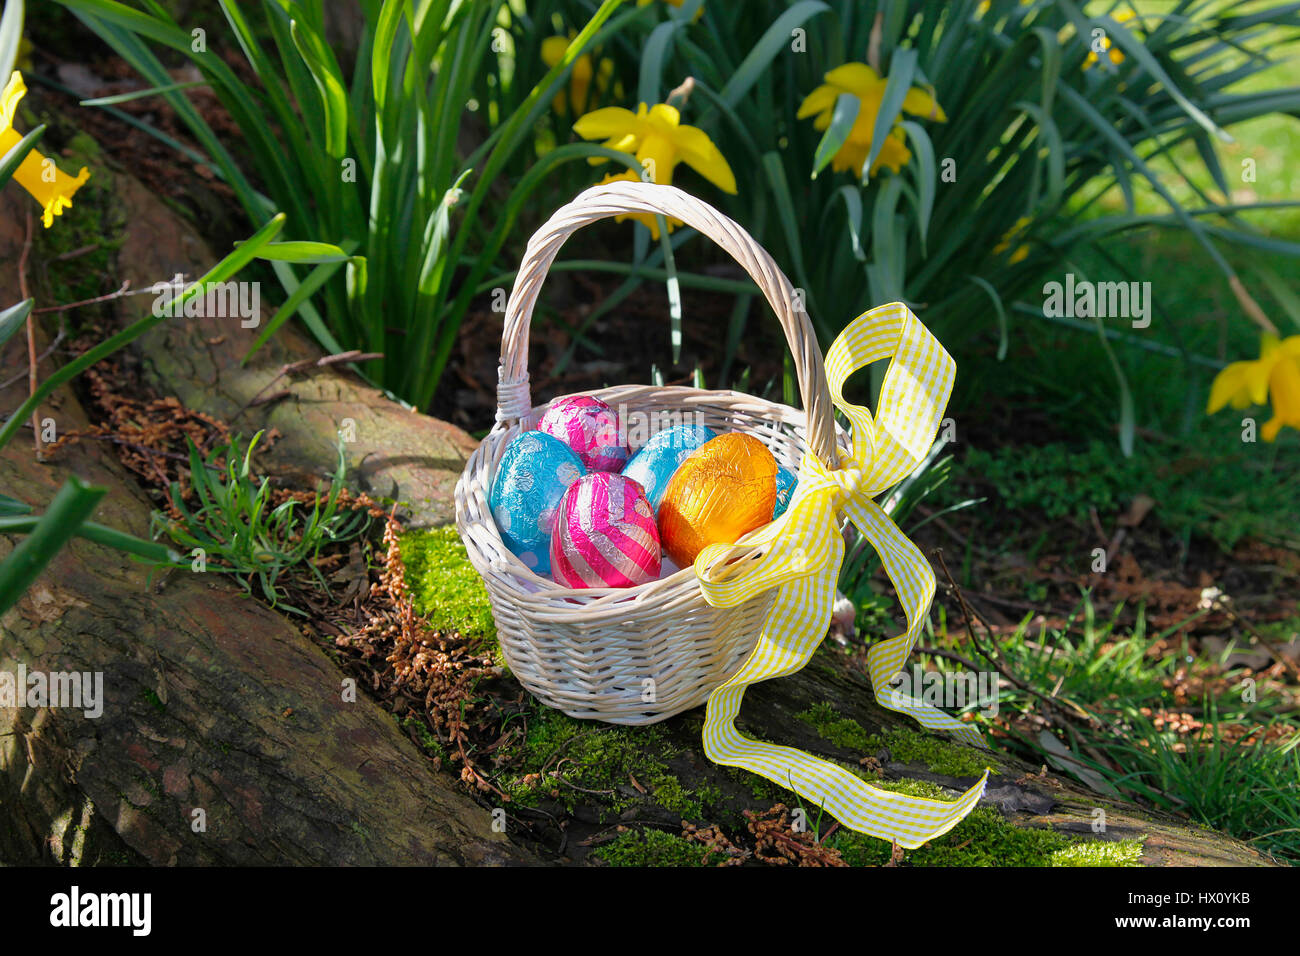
(427, 741)
(841, 731)
(153, 700)
(939, 755)
(1100, 853)
(671, 795)
(652, 848)
(95, 222)
(760, 787)
(986, 838)
(597, 764)
(444, 586)
(905, 746)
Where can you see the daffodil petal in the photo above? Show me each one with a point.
(700, 153)
(1256, 375)
(661, 114)
(13, 92)
(820, 100)
(893, 153)
(920, 103)
(1290, 346)
(855, 77)
(553, 50)
(606, 123)
(1284, 390)
(1228, 383)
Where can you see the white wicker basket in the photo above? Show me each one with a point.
(633, 655)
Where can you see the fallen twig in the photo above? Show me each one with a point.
(106, 297)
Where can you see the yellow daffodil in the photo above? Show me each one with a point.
(1275, 374)
(1022, 250)
(580, 79)
(1116, 56)
(659, 140)
(49, 186)
(860, 80)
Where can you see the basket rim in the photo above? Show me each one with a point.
(595, 599)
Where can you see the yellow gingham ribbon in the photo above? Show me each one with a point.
(801, 556)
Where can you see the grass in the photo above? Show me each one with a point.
(1244, 785)
(1224, 493)
(1269, 140)
(238, 529)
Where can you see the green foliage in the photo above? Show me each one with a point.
(940, 756)
(923, 484)
(1039, 141)
(1242, 786)
(1224, 493)
(652, 848)
(68, 513)
(368, 155)
(242, 532)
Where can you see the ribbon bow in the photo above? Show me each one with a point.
(801, 553)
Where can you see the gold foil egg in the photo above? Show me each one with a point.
(726, 489)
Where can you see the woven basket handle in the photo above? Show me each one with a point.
(514, 402)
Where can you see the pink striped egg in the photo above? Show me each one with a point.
(604, 534)
(590, 428)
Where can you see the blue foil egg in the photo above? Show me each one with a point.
(653, 465)
(785, 482)
(535, 472)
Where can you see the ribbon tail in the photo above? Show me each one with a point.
(794, 629)
(913, 579)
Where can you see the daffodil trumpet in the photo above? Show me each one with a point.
(48, 185)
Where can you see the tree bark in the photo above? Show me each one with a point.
(225, 737)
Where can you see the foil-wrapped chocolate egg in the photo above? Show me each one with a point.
(723, 491)
(590, 428)
(785, 483)
(605, 534)
(534, 473)
(658, 459)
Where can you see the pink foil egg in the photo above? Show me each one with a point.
(604, 534)
(590, 428)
